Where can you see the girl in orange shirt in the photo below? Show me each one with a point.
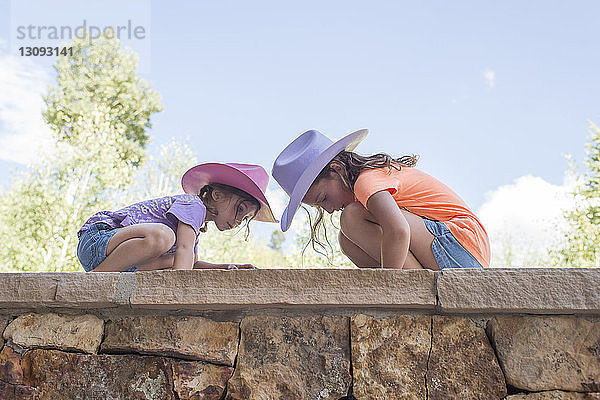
(393, 215)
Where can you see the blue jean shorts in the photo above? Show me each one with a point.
(91, 250)
(447, 251)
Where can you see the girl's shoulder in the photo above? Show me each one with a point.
(188, 199)
(376, 177)
(186, 196)
(166, 202)
(385, 171)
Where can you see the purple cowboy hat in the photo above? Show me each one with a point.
(297, 166)
(250, 178)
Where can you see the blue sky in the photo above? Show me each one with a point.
(485, 92)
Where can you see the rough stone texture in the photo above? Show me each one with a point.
(389, 356)
(210, 289)
(200, 381)
(305, 358)
(548, 352)
(73, 290)
(462, 364)
(9, 391)
(65, 332)
(3, 323)
(11, 377)
(10, 366)
(301, 357)
(194, 338)
(516, 290)
(555, 395)
(520, 290)
(59, 375)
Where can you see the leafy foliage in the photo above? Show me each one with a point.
(582, 242)
(277, 239)
(98, 113)
(98, 81)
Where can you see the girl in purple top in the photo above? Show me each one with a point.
(163, 233)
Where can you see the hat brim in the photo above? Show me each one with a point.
(200, 175)
(347, 143)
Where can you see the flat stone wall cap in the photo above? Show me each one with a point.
(59, 289)
(285, 287)
(520, 290)
(489, 290)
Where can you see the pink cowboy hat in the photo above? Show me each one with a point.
(250, 178)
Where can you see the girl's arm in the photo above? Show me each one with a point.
(396, 231)
(184, 254)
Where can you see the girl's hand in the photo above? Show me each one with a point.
(207, 265)
(241, 266)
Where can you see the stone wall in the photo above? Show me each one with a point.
(513, 334)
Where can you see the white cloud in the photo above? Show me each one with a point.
(22, 130)
(490, 77)
(525, 219)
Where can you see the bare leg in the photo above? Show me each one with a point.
(163, 262)
(360, 227)
(356, 254)
(363, 260)
(412, 262)
(135, 245)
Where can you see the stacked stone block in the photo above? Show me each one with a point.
(304, 334)
(57, 356)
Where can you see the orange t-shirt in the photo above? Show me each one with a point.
(423, 195)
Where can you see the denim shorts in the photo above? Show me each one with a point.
(91, 250)
(447, 251)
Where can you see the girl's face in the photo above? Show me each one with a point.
(329, 193)
(231, 210)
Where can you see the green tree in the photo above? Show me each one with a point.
(99, 82)
(232, 247)
(277, 239)
(98, 113)
(582, 241)
(161, 174)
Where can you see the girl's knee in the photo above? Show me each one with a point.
(161, 238)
